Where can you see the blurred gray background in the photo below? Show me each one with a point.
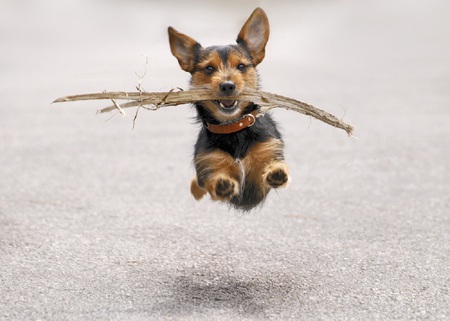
(96, 219)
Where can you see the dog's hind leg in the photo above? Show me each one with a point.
(217, 174)
(197, 191)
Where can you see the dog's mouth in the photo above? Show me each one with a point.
(227, 105)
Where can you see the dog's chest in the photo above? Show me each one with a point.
(236, 144)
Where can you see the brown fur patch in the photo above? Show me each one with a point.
(260, 159)
(196, 190)
(276, 174)
(218, 174)
(222, 187)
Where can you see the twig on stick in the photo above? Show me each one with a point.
(156, 100)
(139, 87)
(119, 108)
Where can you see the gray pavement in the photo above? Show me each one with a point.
(96, 219)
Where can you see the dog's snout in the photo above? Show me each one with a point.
(227, 88)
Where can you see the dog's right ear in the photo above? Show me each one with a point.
(184, 48)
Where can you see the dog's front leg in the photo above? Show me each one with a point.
(276, 174)
(217, 174)
(266, 166)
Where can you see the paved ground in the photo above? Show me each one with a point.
(96, 220)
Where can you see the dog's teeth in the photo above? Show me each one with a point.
(227, 106)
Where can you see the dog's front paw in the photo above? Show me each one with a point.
(277, 175)
(222, 187)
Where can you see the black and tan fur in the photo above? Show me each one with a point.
(241, 167)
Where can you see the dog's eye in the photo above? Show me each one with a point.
(209, 70)
(241, 67)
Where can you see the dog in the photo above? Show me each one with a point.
(238, 157)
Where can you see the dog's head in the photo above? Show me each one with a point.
(225, 70)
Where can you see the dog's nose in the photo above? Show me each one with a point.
(227, 88)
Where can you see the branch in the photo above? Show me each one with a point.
(156, 100)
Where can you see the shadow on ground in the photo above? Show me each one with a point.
(197, 291)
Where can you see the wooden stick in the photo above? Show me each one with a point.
(156, 100)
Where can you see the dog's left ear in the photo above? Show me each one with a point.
(255, 34)
(184, 48)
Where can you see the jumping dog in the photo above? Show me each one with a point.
(238, 157)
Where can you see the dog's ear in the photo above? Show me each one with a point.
(184, 48)
(254, 35)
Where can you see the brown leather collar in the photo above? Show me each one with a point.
(245, 121)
